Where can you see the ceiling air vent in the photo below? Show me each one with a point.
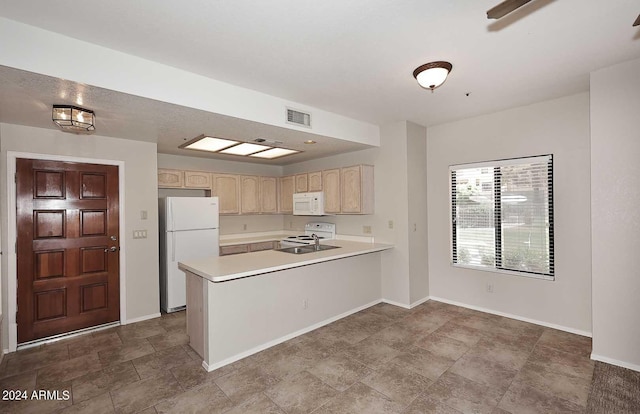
(298, 118)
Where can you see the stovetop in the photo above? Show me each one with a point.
(322, 230)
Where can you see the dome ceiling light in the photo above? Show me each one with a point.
(433, 74)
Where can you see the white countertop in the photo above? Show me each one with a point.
(233, 239)
(225, 268)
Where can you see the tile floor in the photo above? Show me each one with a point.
(435, 358)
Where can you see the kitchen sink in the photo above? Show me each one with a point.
(307, 249)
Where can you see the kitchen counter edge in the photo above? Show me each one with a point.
(225, 268)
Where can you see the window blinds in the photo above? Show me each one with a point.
(502, 215)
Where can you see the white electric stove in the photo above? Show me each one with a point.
(324, 231)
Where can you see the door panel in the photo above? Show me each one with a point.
(67, 247)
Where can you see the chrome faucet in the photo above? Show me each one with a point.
(316, 240)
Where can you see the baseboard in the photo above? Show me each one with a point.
(292, 335)
(401, 305)
(141, 318)
(616, 362)
(419, 302)
(512, 316)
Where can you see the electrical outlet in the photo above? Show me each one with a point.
(139, 234)
(489, 287)
(366, 229)
(390, 224)
(305, 303)
(244, 227)
(143, 214)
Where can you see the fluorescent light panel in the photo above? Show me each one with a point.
(210, 144)
(228, 146)
(244, 149)
(274, 153)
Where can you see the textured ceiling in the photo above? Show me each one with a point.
(356, 57)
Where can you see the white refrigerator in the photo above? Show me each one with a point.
(188, 230)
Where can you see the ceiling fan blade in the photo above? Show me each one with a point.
(637, 22)
(505, 8)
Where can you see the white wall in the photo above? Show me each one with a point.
(559, 127)
(615, 213)
(417, 206)
(391, 204)
(140, 193)
(35, 50)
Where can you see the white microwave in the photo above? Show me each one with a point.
(308, 204)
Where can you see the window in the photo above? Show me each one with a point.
(506, 222)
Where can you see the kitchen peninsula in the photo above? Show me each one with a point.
(241, 304)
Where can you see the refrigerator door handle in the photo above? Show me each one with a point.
(173, 246)
(173, 227)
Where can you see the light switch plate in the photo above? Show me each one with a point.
(139, 234)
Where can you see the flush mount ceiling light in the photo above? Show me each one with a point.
(274, 153)
(73, 118)
(244, 149)
(433, 74)
(206, 143)
(228, 146)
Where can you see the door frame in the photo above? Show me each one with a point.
(12, 257)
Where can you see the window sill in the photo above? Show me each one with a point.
(505, 272)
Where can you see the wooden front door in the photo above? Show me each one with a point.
(67, 247)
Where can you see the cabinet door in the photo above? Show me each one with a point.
(226, 187)
(259, 246)
(315, 181)
(197, 179)
(234, 249)
(357, 189)
(268, 195)
(170, 178)
(302, 183)
(249, 194)
(286, 194)
(351, 190)
(331, 188)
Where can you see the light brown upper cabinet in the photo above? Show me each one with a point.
(347, 190)
(227, 188)
(249, 194)
(286, 194)
(268, 195)
(197, 179)
(302, 183)
(170, 178)
(315, 181)
(357, 189)
(331, 188)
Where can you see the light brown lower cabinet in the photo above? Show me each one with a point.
(249, 247)
(234, 249)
